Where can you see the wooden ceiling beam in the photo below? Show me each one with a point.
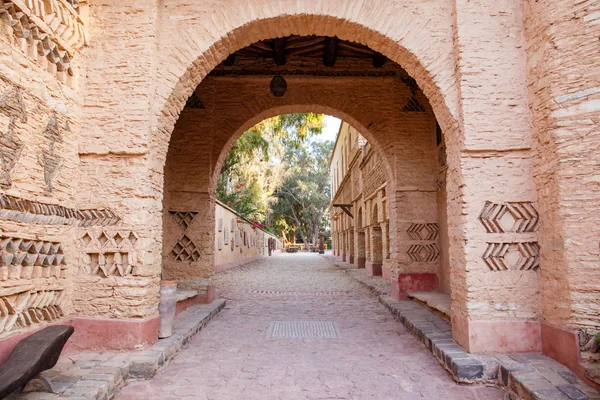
(279, 51)
(330, 55)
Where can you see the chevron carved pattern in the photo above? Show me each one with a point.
(424, 252)
(518, 217)
(427, 231)
(512, 256)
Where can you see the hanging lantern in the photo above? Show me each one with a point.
(278, 86)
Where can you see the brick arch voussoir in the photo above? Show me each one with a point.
(304, 24)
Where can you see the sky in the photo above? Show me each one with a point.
(331, 126)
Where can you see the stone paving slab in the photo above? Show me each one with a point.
(96, 376)
(526, 376)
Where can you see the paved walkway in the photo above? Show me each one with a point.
(249, 352)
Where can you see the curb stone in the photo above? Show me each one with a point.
(529, 376)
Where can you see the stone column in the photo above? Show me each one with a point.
(564, 88)
(375, 261)
(351, 253)
(360, 249)
(386, 268)
(494, 252)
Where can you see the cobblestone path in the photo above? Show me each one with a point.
(249, 352)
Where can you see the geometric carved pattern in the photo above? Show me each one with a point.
(424, 252)
(512, 256)
(509, 217)
(182, 218)
(32, 212)
(109, 253)
(26, 259)
(185, 250)
(49, 28)
(24, 309)
(423, 231)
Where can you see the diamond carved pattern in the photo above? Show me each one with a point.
(428, 231)
(512, 256)
(183, 219)
(185, 250)
(509, 217)
(424, 253)
(109, 253)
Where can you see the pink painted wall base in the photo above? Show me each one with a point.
(418, 282)
(386, 273)
(373, 269)
(563, 346)
(112, 334)
(500, 337)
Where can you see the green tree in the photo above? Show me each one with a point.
(304, 193)
(253, 168)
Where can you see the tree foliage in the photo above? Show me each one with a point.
(278, 157)
(256, 165)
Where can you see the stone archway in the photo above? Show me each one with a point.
(438, 49)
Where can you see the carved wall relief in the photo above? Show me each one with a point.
(109, 253)
(11, 105)
(515, 218)
(26, 259)
(426, 231)
(48, 159)
(183, 219)
(30, 307)
(512, 256)
(423, 252)
(509, 217)
(50, 29)
(33, 212)
(185, 250)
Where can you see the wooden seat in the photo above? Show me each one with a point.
(34, 354)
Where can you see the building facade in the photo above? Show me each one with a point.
(116, 113)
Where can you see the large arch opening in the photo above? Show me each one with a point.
(325, 74)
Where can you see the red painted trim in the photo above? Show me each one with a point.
(373, 269)
(114, 334)
(361, 261)
(414, 282)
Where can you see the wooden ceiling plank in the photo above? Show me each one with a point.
(279, 51)
(330, 51)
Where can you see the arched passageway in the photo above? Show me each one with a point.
(485, 149)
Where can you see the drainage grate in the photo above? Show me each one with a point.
(277, 293)
(302, 330)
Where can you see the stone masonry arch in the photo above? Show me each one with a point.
(235, 104)
(475, 82)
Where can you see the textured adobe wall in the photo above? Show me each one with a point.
(564, 92)
(124, 146)
(40, 103)
(495, 166)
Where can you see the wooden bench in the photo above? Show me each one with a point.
(32, 355)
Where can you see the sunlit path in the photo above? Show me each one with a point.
(373, 356)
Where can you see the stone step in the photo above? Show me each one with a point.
(184, 294)
(438, 302)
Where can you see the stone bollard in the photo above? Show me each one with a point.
(167, 308)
